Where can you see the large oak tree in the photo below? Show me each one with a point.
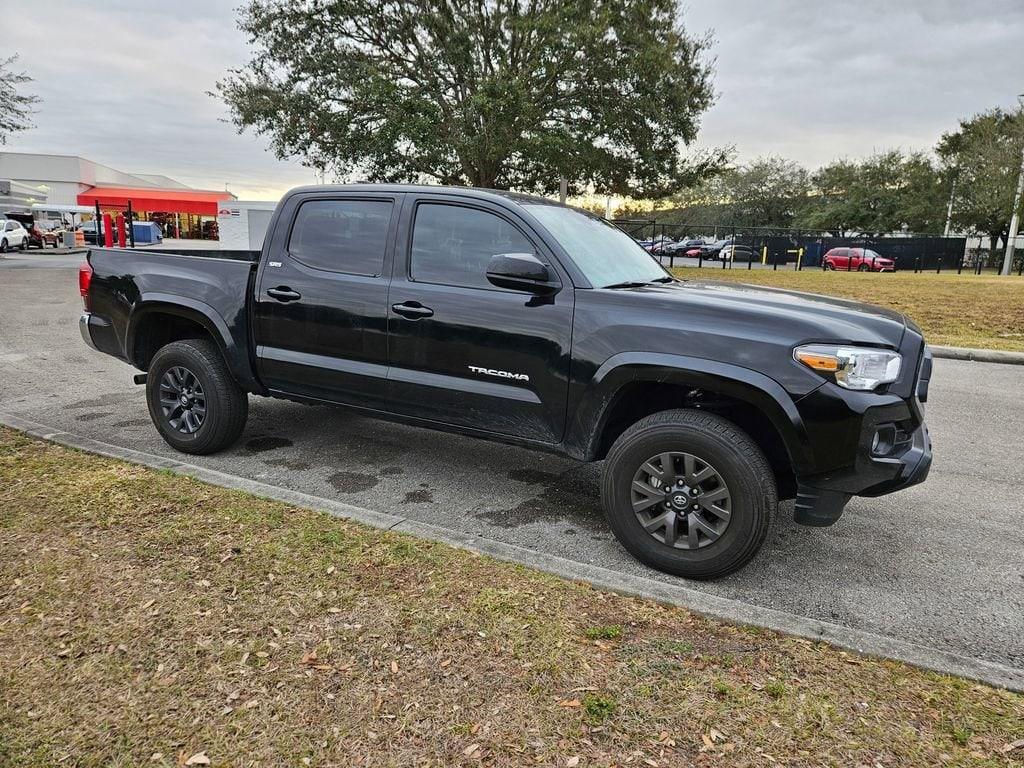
(983, 155)
(492, 93)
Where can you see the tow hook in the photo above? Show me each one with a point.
(140, 378)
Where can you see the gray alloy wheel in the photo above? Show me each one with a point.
(681, 500)
(182, 400)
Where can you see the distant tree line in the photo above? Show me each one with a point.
(892, 191)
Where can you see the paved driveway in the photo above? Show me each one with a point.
(939, 565)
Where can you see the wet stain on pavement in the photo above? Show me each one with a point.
(261, 444)
(532, 476)
(111, 399)
(92, 416)
(296, 465)
(419, 496)
(130, 423)
(569, 497)
(352, 482)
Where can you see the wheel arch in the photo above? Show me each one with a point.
(629, 386)
(157, 320)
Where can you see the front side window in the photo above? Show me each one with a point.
(347, 236)
(452, 245)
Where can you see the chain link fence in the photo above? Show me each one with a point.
(708, 246)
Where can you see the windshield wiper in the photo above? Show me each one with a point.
(640, 283)
(627, 284)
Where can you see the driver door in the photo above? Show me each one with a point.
(461, 350)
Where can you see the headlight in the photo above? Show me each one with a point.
(851, 367)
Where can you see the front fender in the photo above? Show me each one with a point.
(233, 345)
(606, 386)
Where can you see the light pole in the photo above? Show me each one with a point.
(1015, 218)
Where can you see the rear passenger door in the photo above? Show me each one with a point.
(463, 351)
(320, 310)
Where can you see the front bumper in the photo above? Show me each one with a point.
(869, 445)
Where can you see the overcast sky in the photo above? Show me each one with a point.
(125, 83)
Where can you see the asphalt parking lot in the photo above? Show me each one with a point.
(939, 565)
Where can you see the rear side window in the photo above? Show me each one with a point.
(453, 245)
(342, 235)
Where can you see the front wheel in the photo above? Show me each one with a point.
(863, 268)
(195, 404)
(3, 245)
(689, 493)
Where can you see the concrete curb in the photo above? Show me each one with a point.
(978, 355)
(727, 609)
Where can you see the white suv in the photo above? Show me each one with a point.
(12, 235)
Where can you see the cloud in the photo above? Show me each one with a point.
(124, 83)
(817, 81)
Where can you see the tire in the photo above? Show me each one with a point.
(829, 266)
(3, 245)
(24, 244)
(715, 443)
(225, 405)
(863, 268)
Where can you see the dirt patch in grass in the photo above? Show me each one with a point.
(148, 619)
(957, 310)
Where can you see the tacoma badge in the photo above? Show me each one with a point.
(499, 374)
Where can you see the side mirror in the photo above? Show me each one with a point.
(521, 272)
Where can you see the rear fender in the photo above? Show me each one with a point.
(235, 350)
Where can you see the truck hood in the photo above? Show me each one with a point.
(746, 325)
(799, 315)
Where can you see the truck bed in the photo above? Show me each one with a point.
(205, 253)
(210, 287)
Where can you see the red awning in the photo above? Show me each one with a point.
(155, 199)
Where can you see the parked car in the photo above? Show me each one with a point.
(656, 245)
(40, 233)
(711, 250)
(736, 252)
(857, 259)
(12, 235)
(683, 246)
(514, 319)
(89, 228)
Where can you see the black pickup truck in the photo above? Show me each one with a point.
(512, 318)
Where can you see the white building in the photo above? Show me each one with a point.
(69, 180)
(243, 224)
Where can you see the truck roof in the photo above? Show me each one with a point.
(473, 192)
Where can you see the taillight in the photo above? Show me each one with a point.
(84, 280)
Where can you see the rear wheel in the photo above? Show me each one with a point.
(194, 403)
(688, 493)
(863, 268)
(3, 245)
(829, 266)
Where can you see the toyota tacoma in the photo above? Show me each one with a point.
(509, 317)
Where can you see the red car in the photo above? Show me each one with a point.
(857, 260)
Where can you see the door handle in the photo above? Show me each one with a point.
(412, 310)
(283, 293)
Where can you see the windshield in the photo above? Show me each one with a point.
(604, 253)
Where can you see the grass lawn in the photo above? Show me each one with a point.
(149, 619)
(957, 310)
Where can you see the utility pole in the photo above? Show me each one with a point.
(1015, 218)
(949, 209)
(563, 189)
